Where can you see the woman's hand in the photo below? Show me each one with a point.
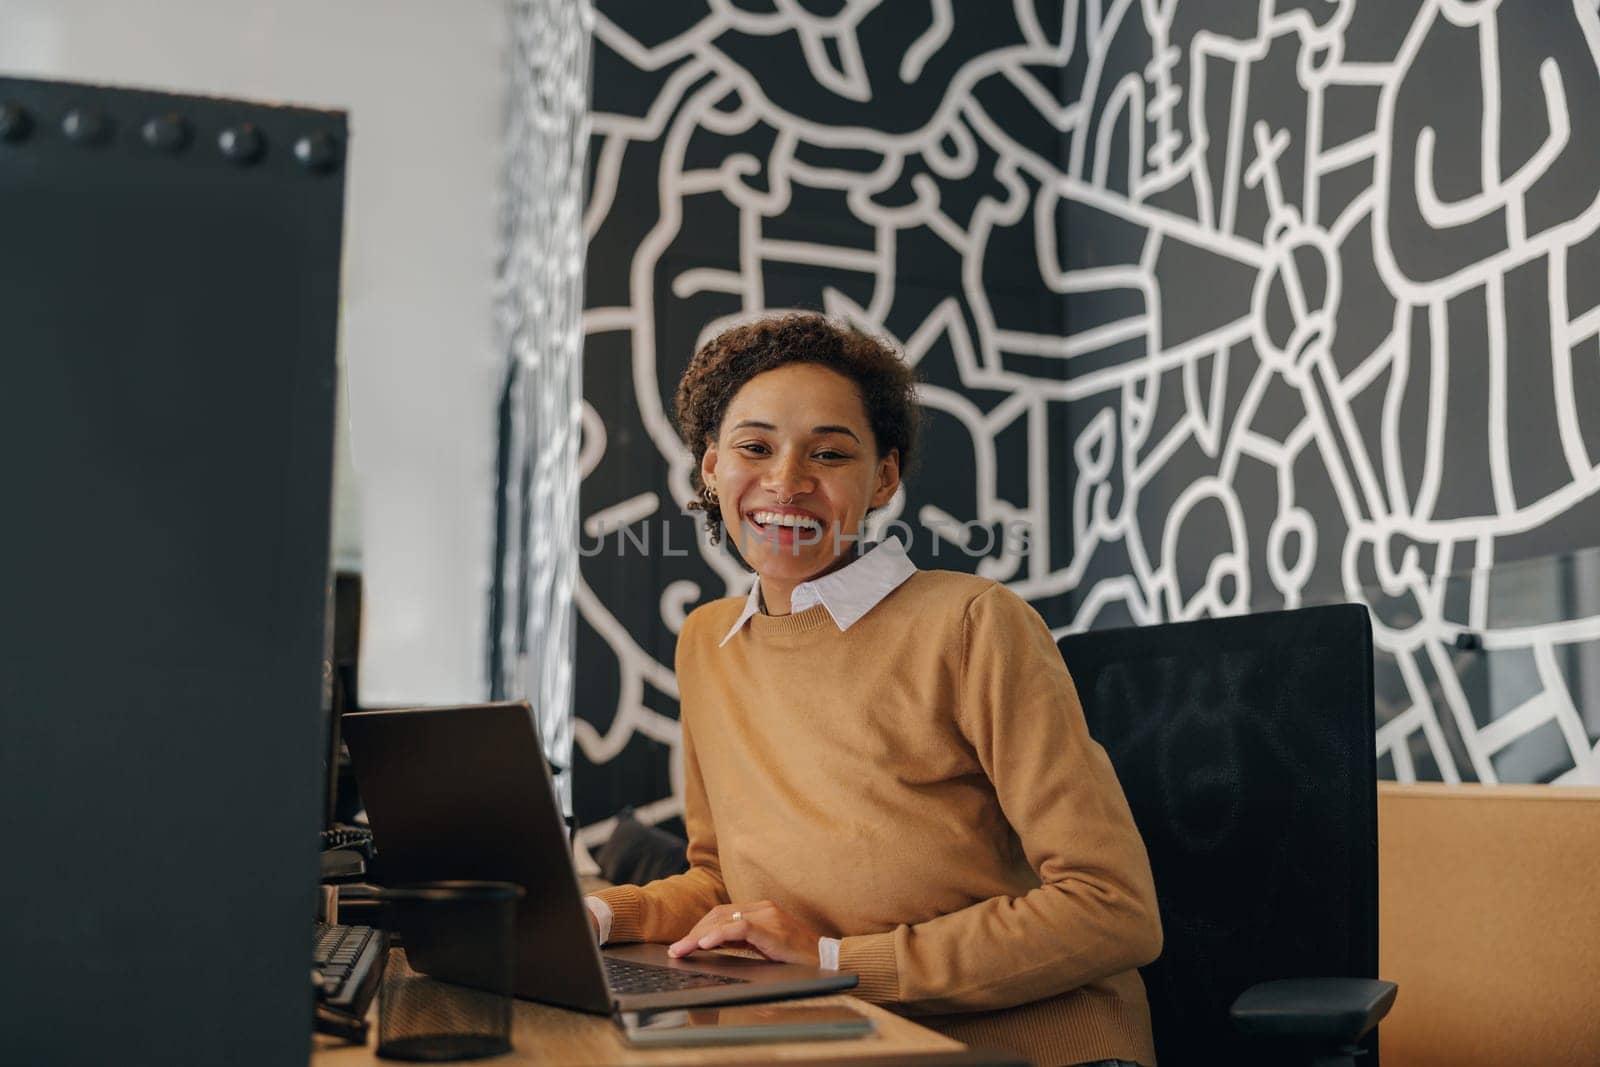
(761, 925)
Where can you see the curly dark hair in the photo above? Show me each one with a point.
(730, 359)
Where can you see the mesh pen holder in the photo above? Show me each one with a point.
(446, 996)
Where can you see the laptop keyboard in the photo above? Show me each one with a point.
(625, 976)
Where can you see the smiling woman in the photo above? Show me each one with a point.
(793, 474)
(881, 397)
(886, 770)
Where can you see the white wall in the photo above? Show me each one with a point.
(423, 83)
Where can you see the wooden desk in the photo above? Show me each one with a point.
(545, 1035)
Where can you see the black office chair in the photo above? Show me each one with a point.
(1245, 746)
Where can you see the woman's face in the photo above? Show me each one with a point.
(797, 434)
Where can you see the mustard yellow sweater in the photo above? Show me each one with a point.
(923, 787)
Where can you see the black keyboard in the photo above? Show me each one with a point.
(625, 976)
(350, 961)
(358, 838)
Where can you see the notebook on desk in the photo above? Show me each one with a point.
(464, 792)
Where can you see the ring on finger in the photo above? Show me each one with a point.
(738, 915)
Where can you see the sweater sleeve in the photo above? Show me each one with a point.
(1094, 913)
(667, 908)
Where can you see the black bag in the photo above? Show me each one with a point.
(636, 853)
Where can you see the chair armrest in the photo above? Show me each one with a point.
(1337, 1011)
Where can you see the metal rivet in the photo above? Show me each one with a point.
(15, 122)
(166, 133)
(85, 125)
(317, 152)
(242, 143)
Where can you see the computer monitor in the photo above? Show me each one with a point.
(339, 802)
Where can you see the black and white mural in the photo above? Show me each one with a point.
(1230, 305)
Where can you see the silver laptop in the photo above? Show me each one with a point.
(464, 792)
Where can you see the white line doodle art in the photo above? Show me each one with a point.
(1233, 306)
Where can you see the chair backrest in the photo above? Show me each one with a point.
(1245, 746)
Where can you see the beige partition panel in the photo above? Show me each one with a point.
(1490, 916)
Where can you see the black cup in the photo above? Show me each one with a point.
(446, 995)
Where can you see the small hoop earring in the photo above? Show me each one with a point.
(710, 494)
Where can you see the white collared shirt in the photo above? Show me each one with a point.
(848, 593)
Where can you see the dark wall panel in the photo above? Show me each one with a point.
(167, 337)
